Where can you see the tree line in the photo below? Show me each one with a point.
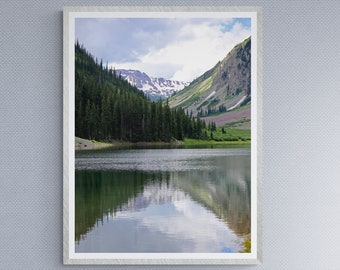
(108, 108)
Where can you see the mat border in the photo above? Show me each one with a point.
(68, 135)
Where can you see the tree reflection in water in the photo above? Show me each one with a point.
(101, 194)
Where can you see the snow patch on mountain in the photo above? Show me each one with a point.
(155, 88)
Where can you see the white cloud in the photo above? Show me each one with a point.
(195, 48)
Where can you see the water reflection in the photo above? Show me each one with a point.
(200, 210)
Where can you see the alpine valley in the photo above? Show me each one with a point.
(129, 105)
(174, 174)
(221, 95)
(154, 88)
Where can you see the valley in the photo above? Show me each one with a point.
(126, 105)
(221, 94)
(163, 152)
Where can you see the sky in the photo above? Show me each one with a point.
(172, 48)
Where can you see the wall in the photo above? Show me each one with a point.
(301, 115)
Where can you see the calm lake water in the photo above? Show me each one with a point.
(162, 200)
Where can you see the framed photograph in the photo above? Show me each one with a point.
(162, 135)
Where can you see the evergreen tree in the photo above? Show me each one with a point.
(108, 108)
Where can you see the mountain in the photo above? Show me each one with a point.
(154, 88)
(222, 89)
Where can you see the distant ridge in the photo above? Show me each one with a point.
(154, 88)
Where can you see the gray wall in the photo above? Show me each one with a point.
(301, 119)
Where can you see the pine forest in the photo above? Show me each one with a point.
(108, 108)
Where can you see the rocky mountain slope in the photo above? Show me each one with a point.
(223, 88)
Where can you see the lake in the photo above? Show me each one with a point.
(162, 200)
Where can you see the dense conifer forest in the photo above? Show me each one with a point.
(108, 108)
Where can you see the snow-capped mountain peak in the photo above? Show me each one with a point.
(155, 88)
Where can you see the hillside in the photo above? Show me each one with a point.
(108, 108)
(221, 89)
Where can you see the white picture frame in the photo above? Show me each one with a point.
(70, 256)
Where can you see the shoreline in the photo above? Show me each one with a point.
(84, 144)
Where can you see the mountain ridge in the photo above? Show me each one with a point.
(153, 87)
(224, 87)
